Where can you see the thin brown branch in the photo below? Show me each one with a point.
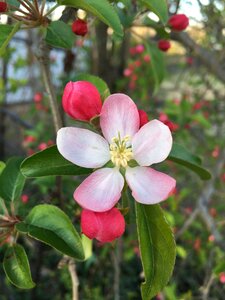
(207, 57)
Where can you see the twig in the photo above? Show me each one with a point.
(188, 223)
(43, 58)
(74, 278)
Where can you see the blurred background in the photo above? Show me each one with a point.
(184, 88)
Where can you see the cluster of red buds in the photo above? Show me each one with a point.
(177, 22)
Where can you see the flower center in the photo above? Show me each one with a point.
(120, 151)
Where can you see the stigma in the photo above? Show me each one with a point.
(121, 151)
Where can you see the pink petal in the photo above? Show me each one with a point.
(149, 186)
(119, 114)
(83, 147)
(101, 190)
(152, 143)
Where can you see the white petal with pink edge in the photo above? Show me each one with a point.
(119, 114)
(149, 186)
(83, 147)
(152, 143)
(101, 190)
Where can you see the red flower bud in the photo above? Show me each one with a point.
(24, 198)
(3, 7)
(81, 100)
(178, 22)
(103, 226)
(143, 117)
(79, 27)
(164, 45)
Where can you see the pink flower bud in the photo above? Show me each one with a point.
(24, 198)
(38, 97)
(222, 277)
(140, 48)
(143, 117)
(103, 226)
(132, 51)
(81, 100)
(147, 58)
(79, 27)
(164, 45)
(127, 72)
(178, 22)
(42, 146)
(3, 7)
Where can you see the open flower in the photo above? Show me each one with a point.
(130, 149)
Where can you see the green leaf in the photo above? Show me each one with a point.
(11, 180)
(159, 7)
(97, 81)
(181, 156)
(59, 34)
(100, 8)
(157, 64)
(2, 166)
(16, 267)
(50, 162)
(52, 226)
(6, 34)
(157, 247)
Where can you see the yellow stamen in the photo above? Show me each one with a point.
(120, 151)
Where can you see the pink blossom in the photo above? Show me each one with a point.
(42, 146)
(140, 48)
(127, 72)
(25, 198)
(222, 277)
(147, 58)
(103, 226)
(122, 143)
(38, 97)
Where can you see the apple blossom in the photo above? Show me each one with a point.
(129, 151)
(103, 226)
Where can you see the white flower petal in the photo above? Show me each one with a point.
(119, 114)
(83, 147)
(101, 190)
(152, 143)
(148, 185)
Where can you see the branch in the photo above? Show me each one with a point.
(43, 58)
(208, 58)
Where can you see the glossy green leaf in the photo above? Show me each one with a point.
(100, 8)
(52, 226)
(6, 34)
(157, 64)
(183, 157)
(11, 180)
(159, 7)
(157, 247)
(97, 81)
(16, 267)
(60, 35)
(50, 162)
